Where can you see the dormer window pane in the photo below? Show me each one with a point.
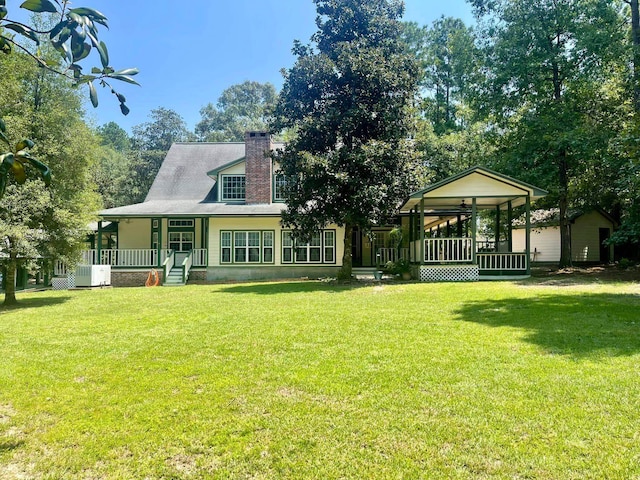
(233, 187)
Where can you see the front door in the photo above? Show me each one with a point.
(182, 244)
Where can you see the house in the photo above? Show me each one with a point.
(588, 231)
(213, 213)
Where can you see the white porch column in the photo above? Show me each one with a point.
(474, 229)
(422, 232)
(528, 233)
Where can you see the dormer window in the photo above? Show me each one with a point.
(233, 187)
(279, 182)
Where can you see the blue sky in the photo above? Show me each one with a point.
(189, 52)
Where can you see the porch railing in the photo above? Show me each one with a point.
(448, 250)
(391, 255)
(186, 266)
(167, 265)
(502, 261)
(199, 257)
(129, 257)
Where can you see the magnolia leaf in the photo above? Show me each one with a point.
(39, 6)
(6, 162)
(24, 31)
(57, 29)
(5, 46)
(104, 54)
(3, 127)
(4, 138)
(18, 172)
(44, 170)
(124, 109)
(3, 12)
(127, 71)
(93, 95)
(124, 78)
(26, 143)
(94, 15)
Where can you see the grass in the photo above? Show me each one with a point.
(309, 380)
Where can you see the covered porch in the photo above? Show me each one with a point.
(444, 219)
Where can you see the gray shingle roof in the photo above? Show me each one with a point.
(182, 186)
(183, 174)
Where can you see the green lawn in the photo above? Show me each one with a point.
(310, 380)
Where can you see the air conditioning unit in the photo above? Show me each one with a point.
(93, 275)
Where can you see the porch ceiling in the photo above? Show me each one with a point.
(489, 188)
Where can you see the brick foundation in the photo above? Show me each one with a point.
(131, 279)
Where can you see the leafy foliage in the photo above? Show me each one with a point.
(241, 107)
(547, 63)
(73, 34)
(37, 222)
(348, 99)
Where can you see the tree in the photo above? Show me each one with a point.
(451, 61)
(73, 34)
(241, 107)
(348, 98)
(37, 222)
(547, 64)
(112, 170)
(150, 143)
(115, 137)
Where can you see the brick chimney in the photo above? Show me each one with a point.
(258, 170)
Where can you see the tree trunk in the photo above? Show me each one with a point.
(563, 203)
(347, 262)
(635, 37)
(10, 281)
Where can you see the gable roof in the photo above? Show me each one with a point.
(183, 186)
(490, 188)
(183, 173)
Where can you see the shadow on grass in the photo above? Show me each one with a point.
(30, 302)
(9, 445)
(580, 325)
(272, 288)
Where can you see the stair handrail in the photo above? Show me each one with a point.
(186, 266)
(167, 265)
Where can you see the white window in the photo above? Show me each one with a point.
(246, 247)
(225, 247)
(181, 241)
(279, 182)
(321, 248)
(180, 223)
(233, 187)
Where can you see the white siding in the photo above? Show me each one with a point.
(585, 239)
(545, 243)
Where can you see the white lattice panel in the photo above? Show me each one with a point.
(449, 273)
(59, 283)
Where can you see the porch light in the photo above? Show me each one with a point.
(463, 205)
